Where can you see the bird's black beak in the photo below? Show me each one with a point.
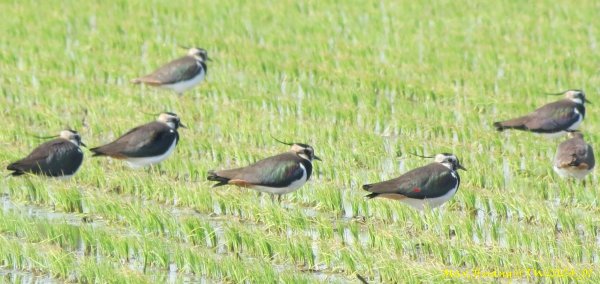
(317, 158)
(208, 59)
(461, 167)
(587, 101)
(82, 144)
(182, 125)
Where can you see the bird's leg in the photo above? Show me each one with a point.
(279, 198)
(272, 198)
(571, 185)
(159, 169)
(151, 169)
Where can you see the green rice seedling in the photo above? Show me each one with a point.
(364, 83)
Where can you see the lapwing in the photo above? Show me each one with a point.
(147, 144)
(574, 157)
(429, 186)
(60, 157)
(552, 119)
(180, 74)
(276, 175)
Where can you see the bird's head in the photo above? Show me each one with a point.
(450, 161)
(170, 119)
(199, 53)
(577, 96)
(72, 136)
(303, 151)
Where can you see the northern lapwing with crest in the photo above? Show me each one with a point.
(574, 157)
(276, 175)
(425, 187)
(552, 119)
(180, 74)
(60, 157)
(147, 144)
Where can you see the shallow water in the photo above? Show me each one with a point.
(173, 274)
(18, 276)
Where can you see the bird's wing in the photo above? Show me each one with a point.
(589, 158)
(553, 116)
(148, 140)
(429, 181)
(582, 154)
(276, 171)
(180, 69)
(57, 151)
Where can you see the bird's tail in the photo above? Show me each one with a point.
(16, 173)
(213, 176)
(97, 152)
(12, 167)
(517, 123)
(371, 195)
(15, 168)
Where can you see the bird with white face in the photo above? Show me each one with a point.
(425, 187)
(180, 74)
(59, 158)
(553, 119)
(147, 144)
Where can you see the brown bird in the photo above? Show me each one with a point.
(180, 74)
(552, 119)
(574, 157)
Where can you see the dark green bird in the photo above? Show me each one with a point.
(60, 158)
(429, 186)
(147, 144)
(553, 119)
(277, 175)
(180, 74)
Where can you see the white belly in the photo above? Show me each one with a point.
(185, 85)
(64, 177)
(577, 123)
(561, 133)
(572, 172)
(283, 190)
(421, 204)
(553, 135)
(146, 161)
